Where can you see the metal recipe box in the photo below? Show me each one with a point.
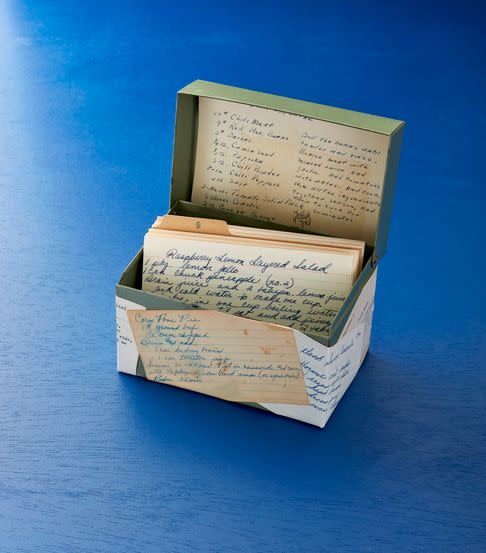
(329, 364)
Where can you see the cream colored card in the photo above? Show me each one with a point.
(302, 287)
(219, 227)
(221, 355)
(289, 169)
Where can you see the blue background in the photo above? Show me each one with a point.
(95, 461)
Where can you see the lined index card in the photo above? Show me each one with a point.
(221, 355)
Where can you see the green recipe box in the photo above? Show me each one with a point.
(329, 363)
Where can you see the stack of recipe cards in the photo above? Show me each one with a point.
(297, 280)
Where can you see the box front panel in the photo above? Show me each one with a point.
(327, 371)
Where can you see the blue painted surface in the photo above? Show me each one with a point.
(95, 461)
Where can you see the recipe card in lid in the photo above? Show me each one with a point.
(306, 166)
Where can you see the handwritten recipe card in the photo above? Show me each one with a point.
(274, 280)
(289, 169)
(224, 356)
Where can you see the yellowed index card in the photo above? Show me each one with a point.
(221, 355)
(280, 167)
(303, 286)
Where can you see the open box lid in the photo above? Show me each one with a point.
(303, 165)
